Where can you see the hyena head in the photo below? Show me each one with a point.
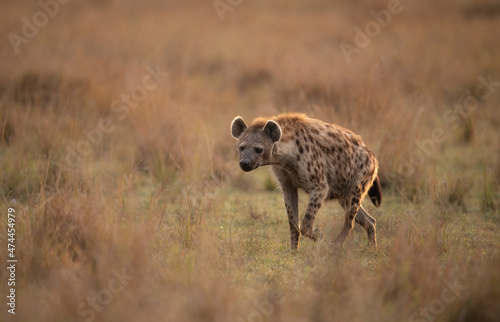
(255, 143)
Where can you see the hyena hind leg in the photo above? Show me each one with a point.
(351, 206)
(369, 223)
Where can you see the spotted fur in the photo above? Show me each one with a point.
(325, 160)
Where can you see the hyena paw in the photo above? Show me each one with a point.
(314, 235)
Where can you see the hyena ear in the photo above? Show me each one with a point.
(273, 130)
(238, 126)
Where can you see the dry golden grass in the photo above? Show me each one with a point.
(160, 224)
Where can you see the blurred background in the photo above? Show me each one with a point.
(116, 154)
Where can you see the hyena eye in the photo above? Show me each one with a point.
(258, 150)
(241, 148)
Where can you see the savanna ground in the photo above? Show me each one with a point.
(155, 222)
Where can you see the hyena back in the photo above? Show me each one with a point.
(325, 160)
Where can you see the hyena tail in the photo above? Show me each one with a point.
(375, 192)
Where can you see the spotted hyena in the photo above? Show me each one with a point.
(325, 160)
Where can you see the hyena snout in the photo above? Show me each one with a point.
(249, 159)
(248, 165)
(245, 166)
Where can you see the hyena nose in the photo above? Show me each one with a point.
(245, 165)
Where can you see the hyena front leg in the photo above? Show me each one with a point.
(316, 199)
(292, 209)
(351, 206)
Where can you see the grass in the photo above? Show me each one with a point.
(158, 223)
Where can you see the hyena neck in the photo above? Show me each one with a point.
(282, 154)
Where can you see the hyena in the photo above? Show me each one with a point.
(325, 160)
